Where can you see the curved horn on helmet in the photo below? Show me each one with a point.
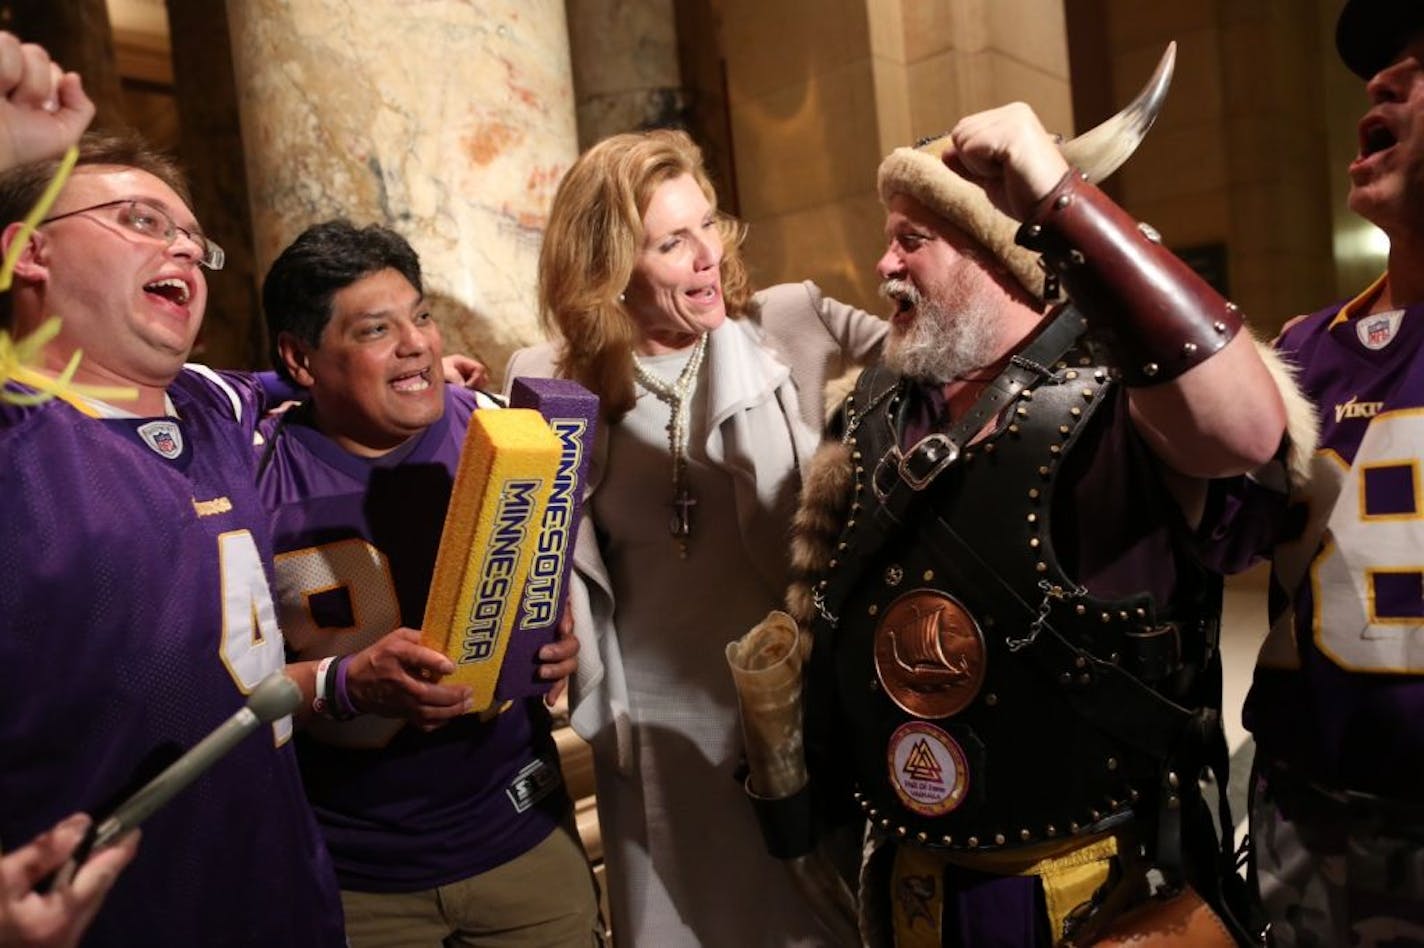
(1100, 151)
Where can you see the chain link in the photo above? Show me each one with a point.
(1051, 594)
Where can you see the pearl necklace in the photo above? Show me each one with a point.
(677, 396)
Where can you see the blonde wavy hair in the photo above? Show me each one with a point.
(593, 238)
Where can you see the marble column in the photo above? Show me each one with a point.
(451, 122)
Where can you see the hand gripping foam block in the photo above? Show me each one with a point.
(572, 412)
(501, 489)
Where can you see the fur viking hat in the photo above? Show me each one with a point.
(920, 173)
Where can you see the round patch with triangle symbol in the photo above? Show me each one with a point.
(928, 769)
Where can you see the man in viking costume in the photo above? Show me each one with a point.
(1015, 677)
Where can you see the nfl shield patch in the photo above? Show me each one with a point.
(1379, 330)
(164, 437)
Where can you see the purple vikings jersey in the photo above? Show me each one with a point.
(1338, 692)
(134, 616)
(401, 809)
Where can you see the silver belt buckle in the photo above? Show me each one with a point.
(937, 451)
(917, 467)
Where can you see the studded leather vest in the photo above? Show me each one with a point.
(959, 731)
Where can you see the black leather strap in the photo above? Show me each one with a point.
(788, 824)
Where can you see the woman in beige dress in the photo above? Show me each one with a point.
(711, 403)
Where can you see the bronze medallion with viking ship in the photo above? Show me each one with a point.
(929, 654)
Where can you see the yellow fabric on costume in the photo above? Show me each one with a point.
(1069, 871)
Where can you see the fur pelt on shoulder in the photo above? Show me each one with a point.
(825, 498)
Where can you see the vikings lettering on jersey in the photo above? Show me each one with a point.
(1338, 691)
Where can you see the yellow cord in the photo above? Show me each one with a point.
(16, 358)
(37, 214)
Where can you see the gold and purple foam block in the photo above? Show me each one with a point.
(506, 473)
(572, 413)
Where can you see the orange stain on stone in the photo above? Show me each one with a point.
(488, 141)
(521, 92)
(543, 178)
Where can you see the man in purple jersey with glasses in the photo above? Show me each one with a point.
(44, 110)
(1337, 704)
(457, 835)
(133, 570)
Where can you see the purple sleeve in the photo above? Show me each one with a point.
(1241, 523)
(276, 389)
(261, 392)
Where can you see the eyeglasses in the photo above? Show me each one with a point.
(149, 220)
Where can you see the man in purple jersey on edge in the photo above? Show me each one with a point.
(460, 835)
(43, 110)
(133, 571)
(1337, 703)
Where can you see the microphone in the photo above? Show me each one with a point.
(275, 697)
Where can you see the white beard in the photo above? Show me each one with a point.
(940, 347)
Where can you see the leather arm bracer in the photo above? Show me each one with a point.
(1165, 319)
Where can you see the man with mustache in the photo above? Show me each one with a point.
(1338, 807)
(1030, 473)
